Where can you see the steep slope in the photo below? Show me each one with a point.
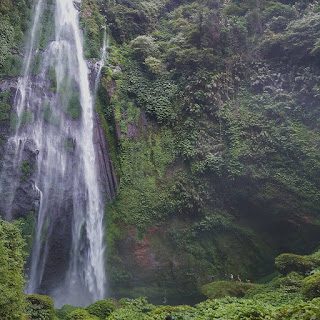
(212, 109)
(211, 113)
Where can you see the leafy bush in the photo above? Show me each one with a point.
(102, 308)
(65, 311)
(11, 266)
(80, 314)
(153, 64)
(4, 106)
(173, 312)
(140, 304)
(292, 282)
(6, 39)
(311, 286)
(231, 308)
(221, 289)
(302, 311)
(127, 314)
(288, 262)
(40, 307)
(144, 46)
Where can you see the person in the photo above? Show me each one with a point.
(239, 279)
(212, 278)
(225, 276)
(231, 277)
(248, 281)
(165, 300)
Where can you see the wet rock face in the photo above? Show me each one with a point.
(58, 247)
(108, 179)
(11, 85)
(26, 198)
(18, 194)
(16, 176)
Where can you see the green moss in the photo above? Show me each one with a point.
(92, 23)
(221, 289)
(53, 79)
(69, 144)
(74, 106)
(48, 28)
(27, 117)
(108, 128)
(27, 228)
(49, 117)
(69, 91)
(36, 63)
(138, 198)
(4, 111)
(14, 120)
(27, 169)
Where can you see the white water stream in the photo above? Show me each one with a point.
(70, 222)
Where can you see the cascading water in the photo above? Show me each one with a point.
(104, 57)
(60, 133)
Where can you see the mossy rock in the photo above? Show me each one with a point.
(102, 308)
(288, 262)
(40, 307)
(222, 289)
(81, 314)
(311, 286)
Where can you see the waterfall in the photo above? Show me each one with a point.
(104, 57)
(56, 146)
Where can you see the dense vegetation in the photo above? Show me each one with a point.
(211, 110)
(11, 266)
(15, 17)
(295, 295)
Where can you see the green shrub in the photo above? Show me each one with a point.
(65, 311)
(231, 309)
(80, 314)
(102, 308)
(4, 109)
(140, 304)
(288, 262)
(302, 311)
(311, 286)
(221, 289)
(181, 312)
(153, 65)
(292, 282)
(128, 314)
(11, 266)
(144, 46)
(6, 39)
(40, 307)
